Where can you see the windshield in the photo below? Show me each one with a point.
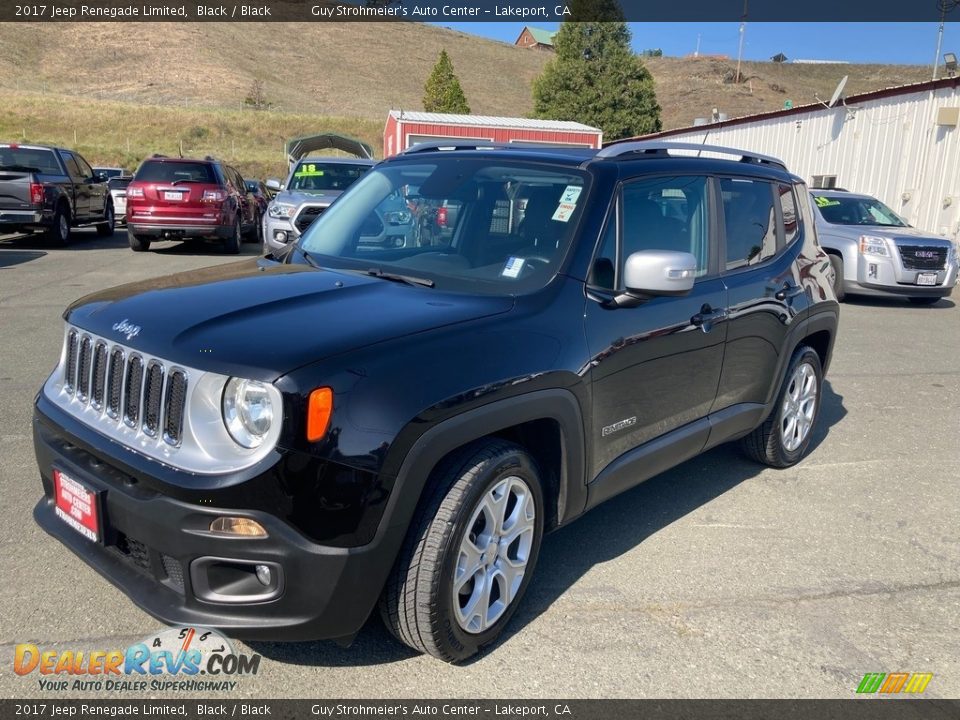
(856, 211)
(467, 224)
(313, 176)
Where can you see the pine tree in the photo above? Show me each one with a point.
(442, 92)
(596, 79)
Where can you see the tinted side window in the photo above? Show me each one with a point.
(791, 216)
(85, 169)
(667, 213)
(72, 168)
(749, 219)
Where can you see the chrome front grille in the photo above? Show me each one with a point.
(116, 382)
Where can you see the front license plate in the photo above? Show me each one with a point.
(77, 505)
(926, 278)
(169, 195)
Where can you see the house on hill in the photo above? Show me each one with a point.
(536, 38)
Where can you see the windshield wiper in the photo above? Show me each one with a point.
(186, 180)
(407, 279)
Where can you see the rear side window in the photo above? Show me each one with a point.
(170, 172)
(750, 221)
(791, 216)
(73, 169)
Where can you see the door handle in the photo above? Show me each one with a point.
(708, 317)
(788, 291)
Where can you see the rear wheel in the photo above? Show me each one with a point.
(61, 225)
(105, 229)
(924, 300)
(138, 244)
(469, 554)
(837, 262)
(232, 244)
(783, 438)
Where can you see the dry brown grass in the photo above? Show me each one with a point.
(129, 89)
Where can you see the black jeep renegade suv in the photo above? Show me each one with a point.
(274, 447)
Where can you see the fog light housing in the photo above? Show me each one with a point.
(280, 235)
(872, 270)
(243, 527)
(264, 575)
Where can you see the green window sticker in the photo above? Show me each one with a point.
(825, 201)
(309, 170)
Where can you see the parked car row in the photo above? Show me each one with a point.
(873, 251)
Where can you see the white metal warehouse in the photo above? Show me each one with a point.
(901, 145)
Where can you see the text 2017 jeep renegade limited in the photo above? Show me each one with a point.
(354, 424)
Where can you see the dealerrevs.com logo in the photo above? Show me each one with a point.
(185, 659)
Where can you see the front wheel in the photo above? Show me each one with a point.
(105, 229)
(469, 554)
(837, 263)
(783, 438)
(924, 300)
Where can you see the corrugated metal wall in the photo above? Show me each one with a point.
(889, 147)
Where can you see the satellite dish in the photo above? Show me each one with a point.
(838, 93)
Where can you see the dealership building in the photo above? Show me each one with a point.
(900, 144)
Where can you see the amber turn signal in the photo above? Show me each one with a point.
(319, 409)
(238, 526)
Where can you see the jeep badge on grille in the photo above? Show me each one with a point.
(125, 327)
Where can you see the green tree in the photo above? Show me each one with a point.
(596, 79)
(442, 92)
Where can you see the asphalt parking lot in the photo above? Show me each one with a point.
(716, 579)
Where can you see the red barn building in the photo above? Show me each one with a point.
(405, 129)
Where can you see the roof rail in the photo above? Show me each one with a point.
(455, 144)
(158, 155)
(655, 148)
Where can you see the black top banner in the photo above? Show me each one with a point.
(523, 11)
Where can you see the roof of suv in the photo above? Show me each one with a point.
(706, 157)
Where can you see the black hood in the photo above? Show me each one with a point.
(262, 322)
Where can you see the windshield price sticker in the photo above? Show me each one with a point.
(308, 171)
(825, 201)
(568, 203)
(512, 268)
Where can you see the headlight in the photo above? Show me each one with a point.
(872, 245)
(248, 411)
(281, 210)
(400, 217)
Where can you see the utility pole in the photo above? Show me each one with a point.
(743, 30)
(696, 53)
(936, 58)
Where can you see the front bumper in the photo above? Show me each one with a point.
(273, 226)
(880, 276)
(158, 550)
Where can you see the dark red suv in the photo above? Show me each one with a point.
(181, 199)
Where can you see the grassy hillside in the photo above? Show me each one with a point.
(113, 133)
(120, 91)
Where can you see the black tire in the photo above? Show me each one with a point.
(138, 244)
(837, 262)
(255, 235)
(60, 232)
(232, 244)
(418, 603)
(105, 229)
(924, 300)
(766, 444)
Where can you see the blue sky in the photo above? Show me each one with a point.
(899, 43)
